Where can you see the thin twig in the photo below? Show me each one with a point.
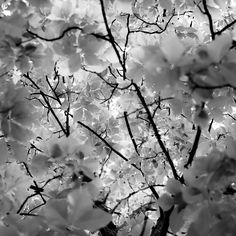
(210, 20)
(100, 36)
(110, 36)
(194, 147)
(156, 132)
(153, 190)
(130, 132)
(225, 27)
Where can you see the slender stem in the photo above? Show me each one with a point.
(153, 190)
(226, 27)
(107, 144)
(111, 38)
(208, 14)
(45, 98)
(194, 147)
(156, 132)
(130, 132)
(100, 36)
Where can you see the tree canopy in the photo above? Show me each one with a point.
(118, 117)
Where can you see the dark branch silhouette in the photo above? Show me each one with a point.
(194, 148)
(162, 224)
(110, 35)
(156, 132)
(130, 132)
(64, 32)
(208, 14)
(65, 130)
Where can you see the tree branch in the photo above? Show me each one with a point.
(225, 28)
(156, 132)
(107, 144)
(208, 14)
(144, 226)
(110, 36)
(49, 107)
(194, 147)
(153, 190)
(162, 225)
(99, 36)
(130, 132)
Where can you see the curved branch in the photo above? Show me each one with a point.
(208, 14)
(100, 36)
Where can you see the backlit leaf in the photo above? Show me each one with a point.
(8, 231)
(13, 25)
(16, 131)
(176, 220)
(172, 47)
(74, 62)
(165, 201)
(19, 151)
(56, 212)
(4, 155)
(81, 211)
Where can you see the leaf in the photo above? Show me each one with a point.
(74, 62)
(19, 151)
(123, 6)
(56, 212)
(110, 55)
(165, 201)
(151, 57)
(82, 214)
(201, 118)
(228, 71)
(22, 63)
(90, 44)
(8, 231)
(176, 220)
(94, 63)
(40, 3)
(63, 9)
(93, 219)
(6, 205)
(56, 151)
(176, 106)
(52, 29)
(135, 71)
(78, 115)
(39, 164)
(47, 64)
(172, 48)
(136, 230)
(166, 4)
(219, 47)
(79, 201)
(4, 155)
(13, 25)
(201, 226)
(193, 231)
(22, 112)
(222, 4)
(16, 131)
(173, 186)
(138, 227)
